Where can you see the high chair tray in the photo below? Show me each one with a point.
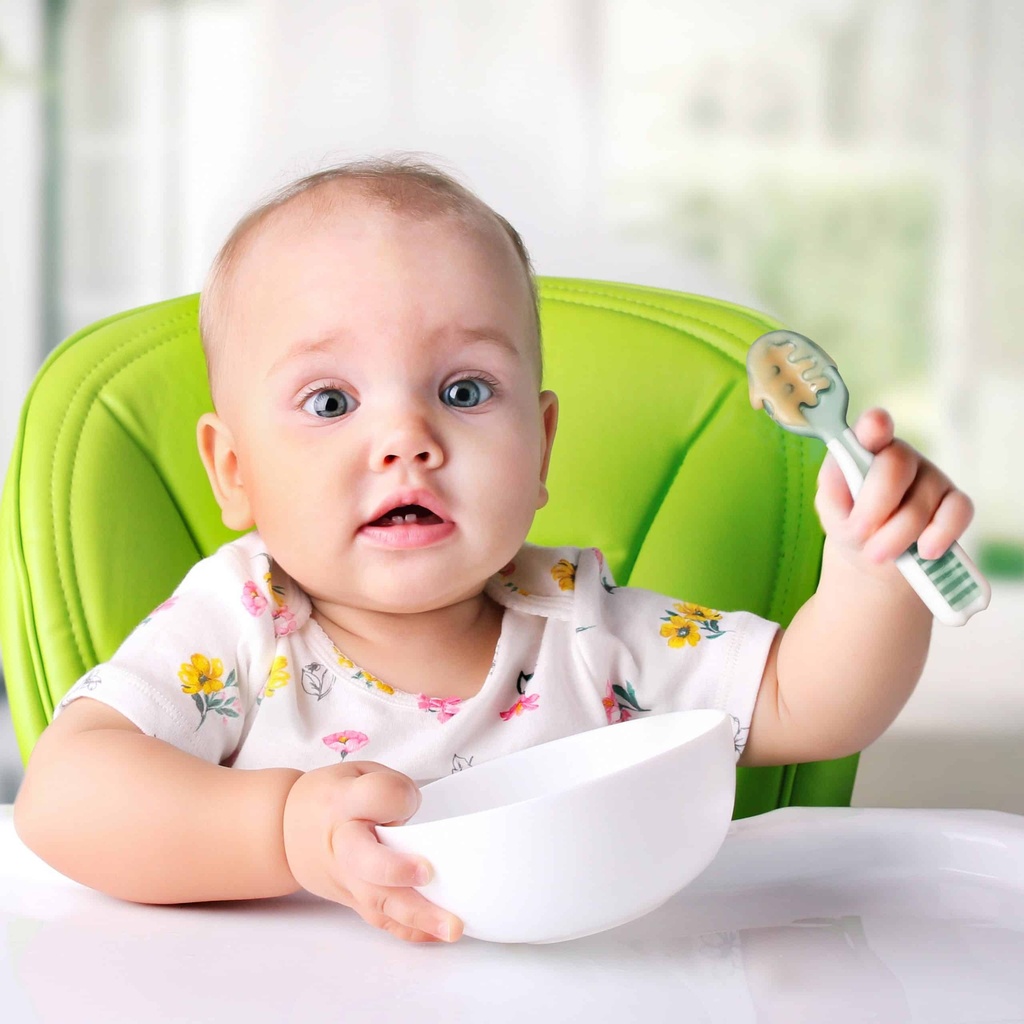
(807, 914)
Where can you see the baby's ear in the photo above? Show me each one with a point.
(549, 420)
(217, 450)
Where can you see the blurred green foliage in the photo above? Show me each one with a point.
(850, 264)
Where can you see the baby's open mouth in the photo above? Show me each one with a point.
(407, 515)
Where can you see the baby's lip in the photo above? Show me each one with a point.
(417, 496)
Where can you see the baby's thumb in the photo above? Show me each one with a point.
(383, 796)
(833, 500)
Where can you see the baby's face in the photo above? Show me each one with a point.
(381, 390)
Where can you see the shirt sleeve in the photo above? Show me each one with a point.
(188, 674)
(653, 653)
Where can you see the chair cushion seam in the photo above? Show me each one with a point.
(665, 323)
(627, 293)
(89, 378)
(709, 415)
(756, 319)
(148, 458)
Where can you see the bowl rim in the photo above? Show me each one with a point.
(715, 716)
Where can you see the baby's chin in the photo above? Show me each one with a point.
(401, 599)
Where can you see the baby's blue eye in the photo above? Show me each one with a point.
(464, 394)
(329, 403)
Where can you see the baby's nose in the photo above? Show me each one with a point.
(425, 456)
(409, 439)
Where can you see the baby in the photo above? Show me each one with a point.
(374, 355)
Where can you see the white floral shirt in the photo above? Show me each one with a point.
(234, 669)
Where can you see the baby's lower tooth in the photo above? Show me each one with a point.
(410, 517)
(398, 519)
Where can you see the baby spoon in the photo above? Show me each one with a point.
(799, 386)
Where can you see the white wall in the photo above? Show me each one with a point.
(228, 100)
(20, 207)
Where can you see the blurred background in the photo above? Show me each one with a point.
(855, 167)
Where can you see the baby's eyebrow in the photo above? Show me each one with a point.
(489, 334)
(302, 348)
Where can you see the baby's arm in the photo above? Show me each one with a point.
(847, 664)
(137, 818)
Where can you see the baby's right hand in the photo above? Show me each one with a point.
(333, 851)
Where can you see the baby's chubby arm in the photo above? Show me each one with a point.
(841, 672)
(137, 818)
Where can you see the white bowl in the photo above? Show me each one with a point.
(580, 834)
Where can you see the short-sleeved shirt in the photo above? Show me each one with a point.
(235, 669)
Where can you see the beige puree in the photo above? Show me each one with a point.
(784, 380)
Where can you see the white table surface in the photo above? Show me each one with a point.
(817, 915)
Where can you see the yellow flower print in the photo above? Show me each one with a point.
(367, 677)
(679, 632)
(201, 675)
(278, 676)
(563, 572)
(201, 679)
(697, 611)
(276, 592)
(371, 680)
(685, 625)
(342, 660)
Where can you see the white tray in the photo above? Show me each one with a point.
(819, 915)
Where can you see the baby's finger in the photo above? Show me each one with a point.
(406, 913)
(951, 518)
(874, 429)
(376, 864)
(887, 487)
(906, 524)
(832, 500)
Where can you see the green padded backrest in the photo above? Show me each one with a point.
(659, 461)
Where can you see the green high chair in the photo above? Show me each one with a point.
(660, 461)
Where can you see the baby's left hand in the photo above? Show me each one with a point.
(904, 498)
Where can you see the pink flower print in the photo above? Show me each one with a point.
(611, 705)
(620, 702)
(507, 569)
(255, 603)
(443, 707)
(599, 555)
(346, 742)
(528, 703)
(169, 603)
(284, 621)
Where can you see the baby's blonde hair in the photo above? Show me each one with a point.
(403, 184)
